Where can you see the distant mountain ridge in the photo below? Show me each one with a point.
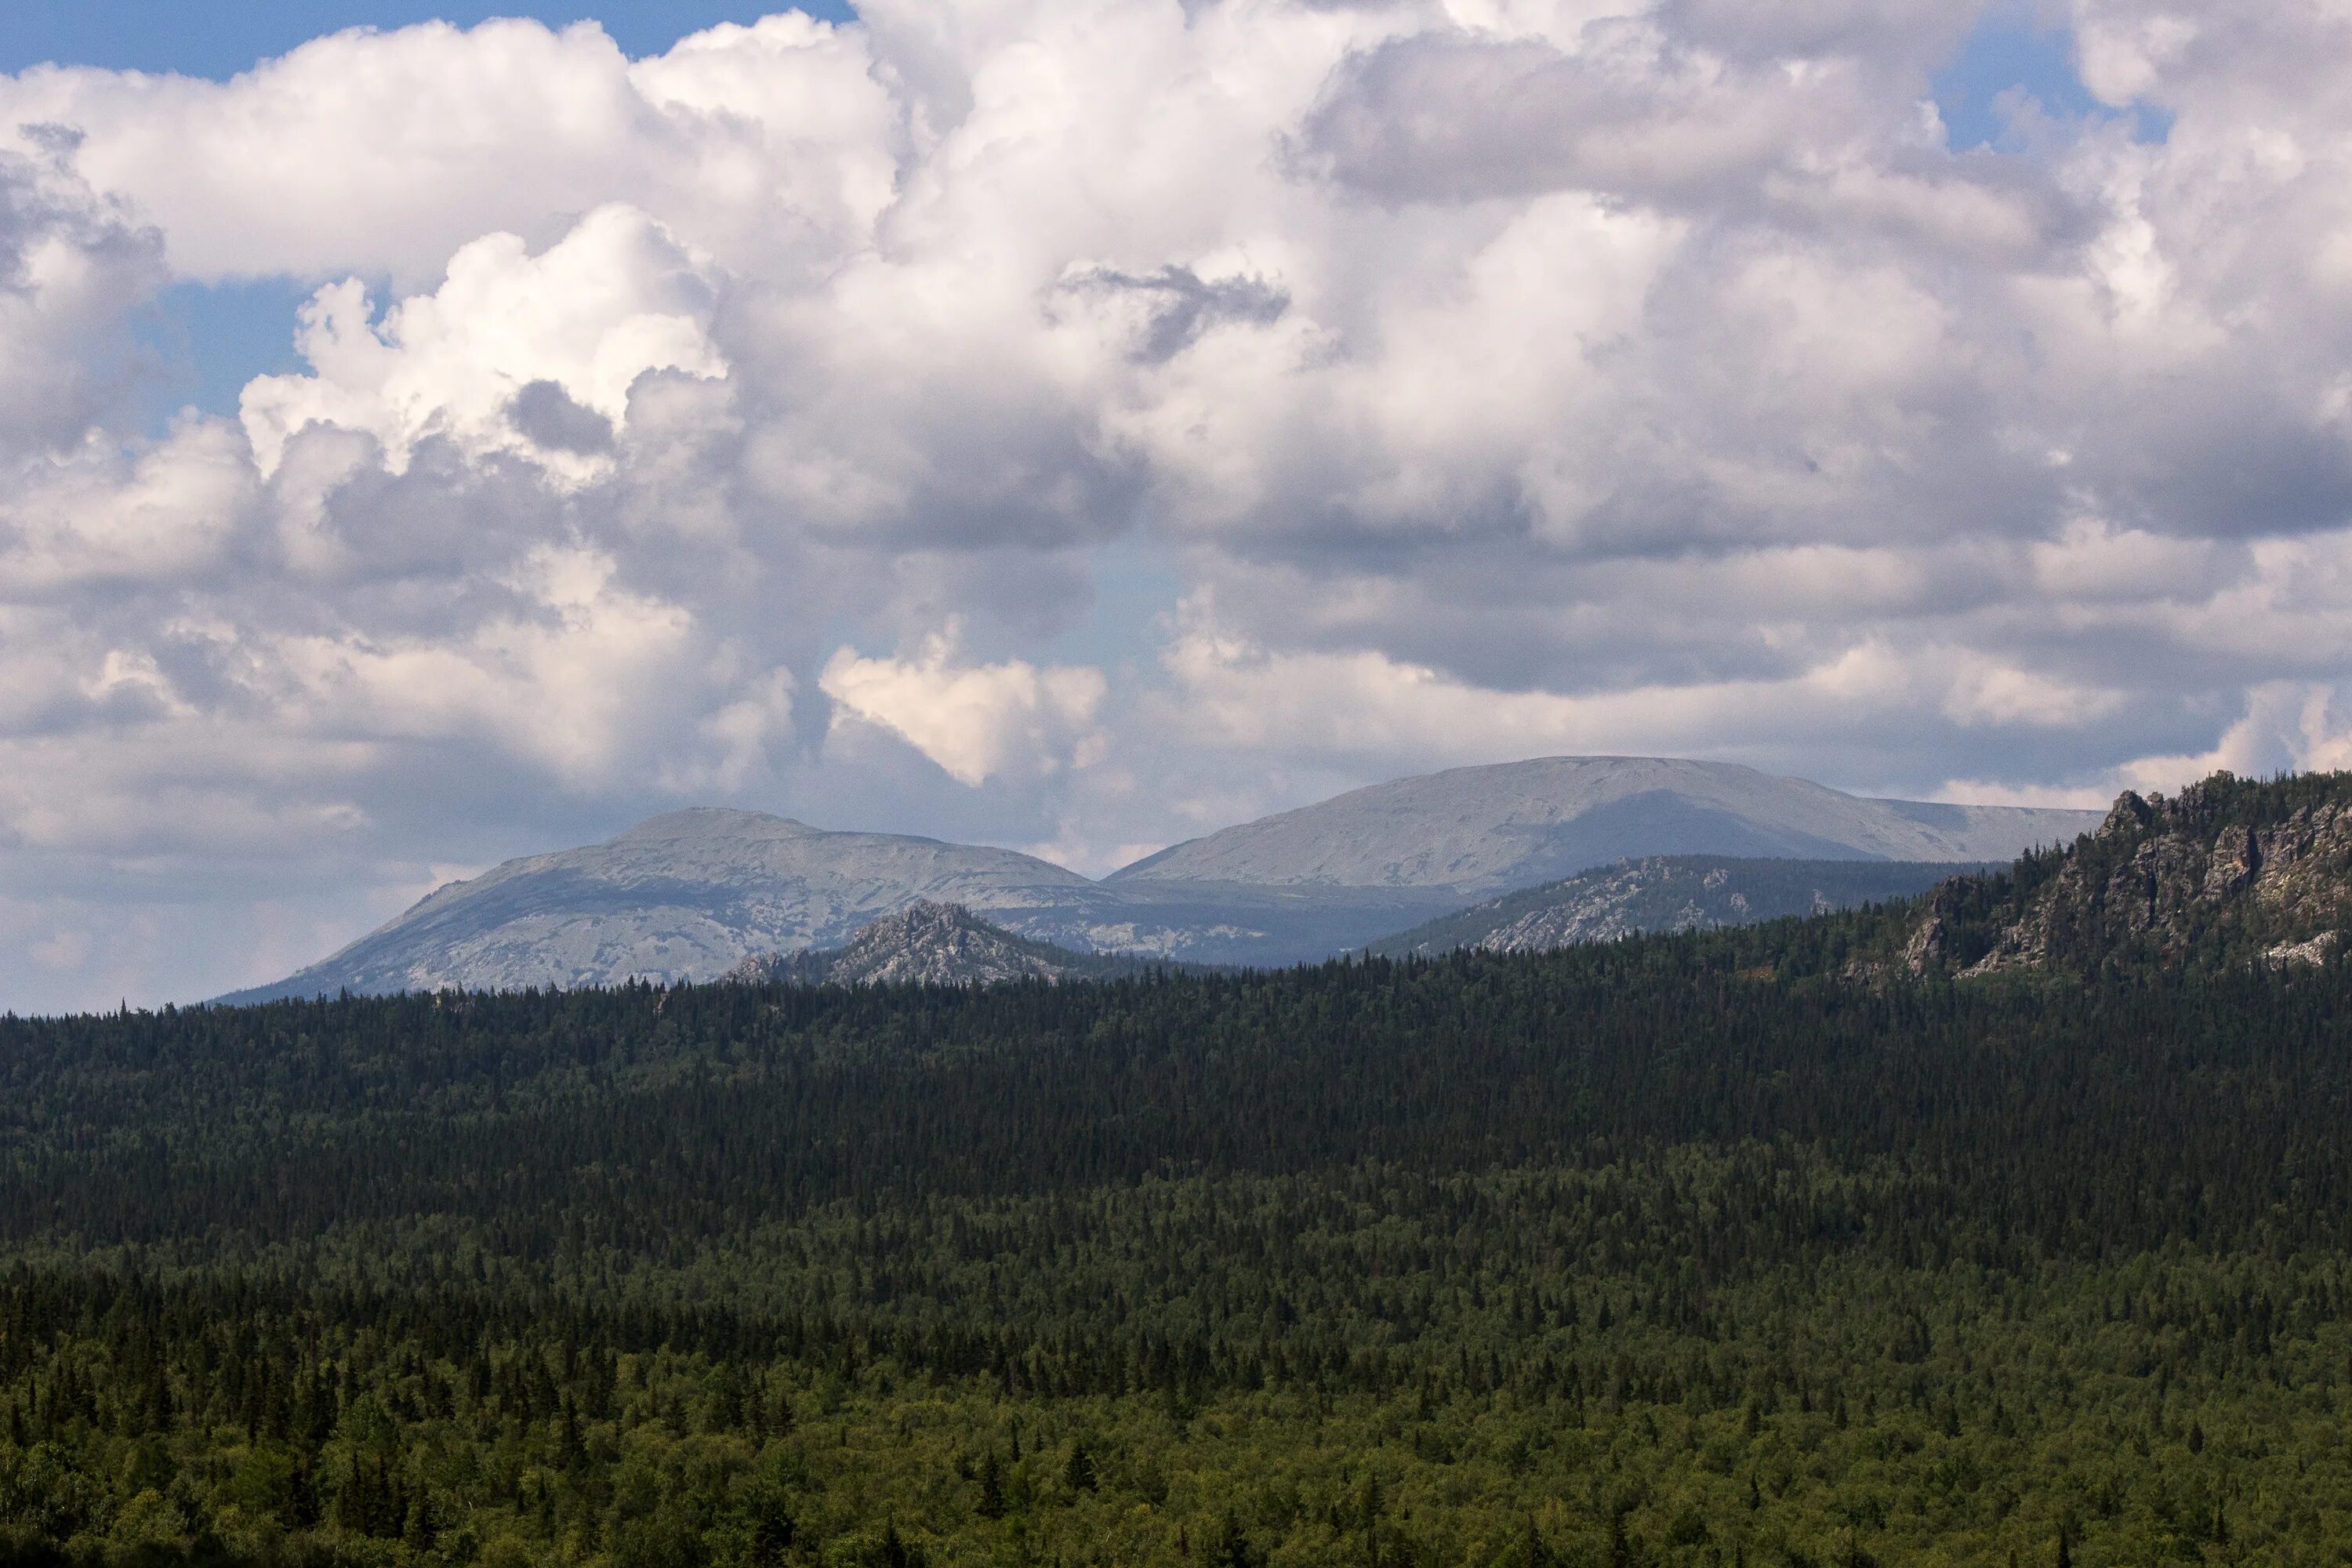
(1666, 893)
(691, 894)
(1487, 829)
(686, 894)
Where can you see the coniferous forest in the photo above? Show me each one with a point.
(1680, 1250)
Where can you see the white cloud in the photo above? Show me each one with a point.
(561, 683)
(368, 151)
(67, 950)
(975, 721)
(1366, 706)
(741, 740)
(1986, 691)
(2284, 726)
(163, 515)
(73, 265)
(514, 353)
(1509, 375)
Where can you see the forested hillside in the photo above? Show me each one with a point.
(1666, 893)
(1679, 1250)
(2229, 872)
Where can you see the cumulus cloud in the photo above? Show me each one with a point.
(513, 353)
(104, 518)
(2285, 726)
(1167, 310)
(1491, 376)
(1232, 692)
(73, 265)
(553, 682)
(975, 721)
(378, 152)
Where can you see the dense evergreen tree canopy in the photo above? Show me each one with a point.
(1679, 1250)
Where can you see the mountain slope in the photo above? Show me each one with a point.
(691, 895)
(2229, 871)
(681, 896)
(1665, 893)
(928, 943)
(1488, 829)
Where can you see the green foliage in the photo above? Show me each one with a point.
(1676, 1252)
(2163, 884)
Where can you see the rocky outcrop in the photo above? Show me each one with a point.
(2287, 954)
(931, 944)
(2228, 870)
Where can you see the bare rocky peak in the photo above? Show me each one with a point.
(930, 943)
(1514, 825)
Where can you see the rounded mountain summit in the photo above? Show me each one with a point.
(1514, 825)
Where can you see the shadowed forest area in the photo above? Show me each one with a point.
(1680, 1250)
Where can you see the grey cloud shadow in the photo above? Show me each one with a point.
(543, 414)
(1184, 306)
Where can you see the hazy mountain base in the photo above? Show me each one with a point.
(587, 922)
(689, 895)
(1666, 893)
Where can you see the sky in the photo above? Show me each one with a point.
(429, 436)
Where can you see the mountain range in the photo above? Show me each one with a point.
(691, 894)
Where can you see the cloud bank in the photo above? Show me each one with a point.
(756, 424)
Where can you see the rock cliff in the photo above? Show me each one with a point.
(2228, 871)
(931, 943)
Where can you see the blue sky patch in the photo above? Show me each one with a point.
(210, 339)
(2007, 54)
(220, 40)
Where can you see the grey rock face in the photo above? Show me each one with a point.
(927, 944)
(2287, 954)
(2226, 871)
(1482, 830)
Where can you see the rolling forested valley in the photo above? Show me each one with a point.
(2009, 1226)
